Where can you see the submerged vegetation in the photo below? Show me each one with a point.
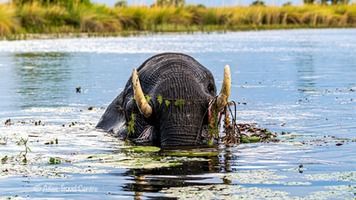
(64, 17)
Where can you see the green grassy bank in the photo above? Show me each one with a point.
(78, 18)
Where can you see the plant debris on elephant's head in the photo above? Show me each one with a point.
(169, 101)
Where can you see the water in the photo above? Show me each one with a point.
(301, 82)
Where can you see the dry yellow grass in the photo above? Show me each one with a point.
(94, 18)
(8, 20)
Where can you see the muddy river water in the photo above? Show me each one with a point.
(299, 83)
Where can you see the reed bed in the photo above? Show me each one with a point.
(8, 20)
(36, 17)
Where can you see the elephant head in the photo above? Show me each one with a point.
(166, 102)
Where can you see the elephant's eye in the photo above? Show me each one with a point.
(211, 88)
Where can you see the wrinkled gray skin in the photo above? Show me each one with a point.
(173, 76)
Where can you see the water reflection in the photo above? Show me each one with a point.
(6, 84)
(41, 78)
(216, 170)
(306, 70)
(154, 180)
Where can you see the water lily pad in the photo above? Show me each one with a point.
(251, 139)
(120, 160)
(221, 191)
(340, 192)
(335, 176)
(54, 161)
(143, 149)
(183, 153)
(260, 176)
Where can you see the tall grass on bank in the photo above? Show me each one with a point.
(192, 18)
(35, 17)
(8, 20)
(96, 18)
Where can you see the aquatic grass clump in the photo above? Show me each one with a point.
(8, 21)
(54, 161)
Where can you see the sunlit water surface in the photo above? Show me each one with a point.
(301, 82)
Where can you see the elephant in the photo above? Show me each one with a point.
(167, 102)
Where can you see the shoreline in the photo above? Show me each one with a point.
(50, 36)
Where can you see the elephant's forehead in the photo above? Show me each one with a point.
(165, 65)
(180, 86)
(174, 75)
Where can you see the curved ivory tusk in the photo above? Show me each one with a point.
(225, 92)
(139, 97)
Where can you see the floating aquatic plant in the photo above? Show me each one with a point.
(349, 176)
(252, 139)
(3, 140)
(191, 153)
(4, 159)
(27, 149)
(143, 149)
(55, 141)
(54, 161)
(222, 191)
(133, 161)
(233, 133)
